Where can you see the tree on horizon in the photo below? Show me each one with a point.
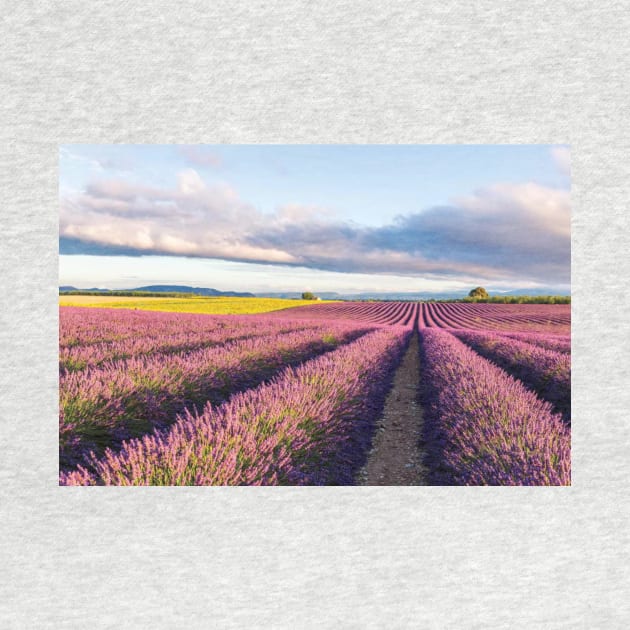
(478, 292)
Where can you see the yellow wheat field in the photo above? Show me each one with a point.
(201, 304)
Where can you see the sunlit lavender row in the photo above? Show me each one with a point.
(81, 326)
(311, 425)
(546, 371)
(388, 313)
(536, 318)
(102, 406)
(484, 427)
(77, 357)
(558, 343)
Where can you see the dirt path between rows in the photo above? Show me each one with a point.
(396, 458)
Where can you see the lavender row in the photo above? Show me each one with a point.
(545, 371)
(311, 425)
(103, 406)
(79, 357)
(483, 426)
(388, 313)
(506, 317)
(557, 343)
(80, 326)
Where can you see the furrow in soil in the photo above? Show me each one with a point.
(396, 458)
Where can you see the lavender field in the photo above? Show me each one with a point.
(294, 397)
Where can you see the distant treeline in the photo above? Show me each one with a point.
(514, 299)
(503, 299)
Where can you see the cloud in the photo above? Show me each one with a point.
(513, 229)
(200, 157)
(189, 182)
(562, 158)
(503, 232)
(191, 220)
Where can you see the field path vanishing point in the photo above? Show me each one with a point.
(396, 458)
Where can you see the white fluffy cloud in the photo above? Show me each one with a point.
(501, 232)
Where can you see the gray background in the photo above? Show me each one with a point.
(289, 72)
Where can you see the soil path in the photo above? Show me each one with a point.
(396, 458)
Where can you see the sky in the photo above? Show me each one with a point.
(345, 218)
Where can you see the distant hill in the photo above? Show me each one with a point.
(91, 290)
(174, 288)
(167, 288)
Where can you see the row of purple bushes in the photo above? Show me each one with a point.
(311, 425)
(79, 325)
(102, 406)
(79, 357)
(483, 427)
(547, 372)
(557, 343)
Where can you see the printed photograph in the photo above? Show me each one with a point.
(308, 315)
